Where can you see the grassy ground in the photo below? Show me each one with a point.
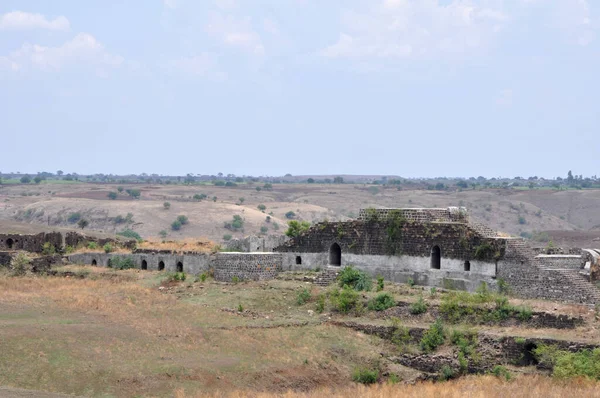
(122, 336)
(100, 332)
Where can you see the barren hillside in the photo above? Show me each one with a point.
(571, 217)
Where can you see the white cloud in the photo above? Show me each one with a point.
(19, 20)
(408, 28)
(82, 49)
(236, 32)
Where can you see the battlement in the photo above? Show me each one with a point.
(449, 214)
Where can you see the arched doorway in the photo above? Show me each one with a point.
(94, 262)
(335, 255)
(144, 264)
(436, 257)
(161, 265)
(298, 260)
(179, 266)
(467, 266)
(9, 243)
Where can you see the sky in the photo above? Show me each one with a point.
(416, 88)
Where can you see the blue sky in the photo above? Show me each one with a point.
(268, 87)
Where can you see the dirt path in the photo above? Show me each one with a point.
(9, 392)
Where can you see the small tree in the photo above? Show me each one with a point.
(264, 230)
(37, 179)
(290, 215)
(163, 234)
(83, 223)
(296, 228)
(134, 193)
(176, 225)
(258, 189)
(338, 180)
(20, 264)
(311, 180)
(183, 219)
(262, 207)
(227, 237)
(214, 199)
(242, 200)
(25, 180)
(167, 205)
(112, 195)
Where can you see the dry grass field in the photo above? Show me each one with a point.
(99, 332)
(571, 216)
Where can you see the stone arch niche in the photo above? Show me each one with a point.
(94, 262)
(436, 257)
(161, 265)
(335, 255)
(144, 264)
(179, 266)
(9, 243)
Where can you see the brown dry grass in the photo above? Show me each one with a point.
(196, 245)
(472, 387)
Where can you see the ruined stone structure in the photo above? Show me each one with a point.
(31, 243)
(431, 247)
(439, 247)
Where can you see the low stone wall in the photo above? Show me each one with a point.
(255, 243)
(247, 266)
(570, 261)
(244, 266)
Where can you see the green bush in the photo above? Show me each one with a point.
(381, 302)
(345, 300)
(107, 248)
(433, 337)
(183, 219)
(447, 373)
(585, 363)
(380, 283)
(290, 214)
(356, 279)
(418, 307)
(176, 225)
(74, 217)
(400, 334)
(121, 263)
(128, 233)
(261, 207)
(320, 306)
(19, 264)
(501, 372)
(410, 282)
(303, 296)
(112, 195)
(296, 228)
(167, 205)
(92, 245)
(177, 276)
(365, 376)
(48, 249)
(227, 237)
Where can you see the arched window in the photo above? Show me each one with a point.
(335, 255)
(144, 264)
(467, 265)
(9, 243)
(161, 265)
(94, 262)
(436, 257)
(179, 266)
